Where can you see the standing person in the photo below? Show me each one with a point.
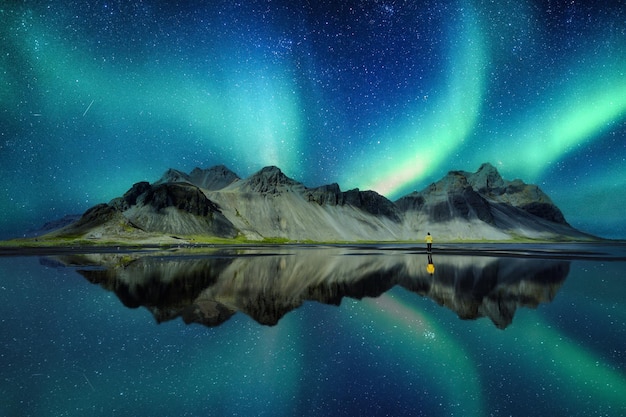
(429, 243)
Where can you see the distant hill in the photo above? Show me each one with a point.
(216, 202)
(52, 225)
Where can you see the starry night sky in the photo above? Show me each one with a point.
(383, 95)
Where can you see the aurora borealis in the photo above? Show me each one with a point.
(383, 95)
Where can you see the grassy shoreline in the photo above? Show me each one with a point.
(165, 241)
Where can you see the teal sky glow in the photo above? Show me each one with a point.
(388, 96)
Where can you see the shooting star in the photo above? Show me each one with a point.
(88, 107)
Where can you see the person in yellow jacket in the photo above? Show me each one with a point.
(429, 242)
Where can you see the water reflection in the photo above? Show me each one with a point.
(210, 287)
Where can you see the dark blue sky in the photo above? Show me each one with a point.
(383, 95)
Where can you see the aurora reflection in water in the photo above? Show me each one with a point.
(394, 345)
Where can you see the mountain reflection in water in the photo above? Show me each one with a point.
(266, 283)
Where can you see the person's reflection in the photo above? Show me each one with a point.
(431, 266)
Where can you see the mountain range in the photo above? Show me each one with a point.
(217, 203)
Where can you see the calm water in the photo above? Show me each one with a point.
(316, 331)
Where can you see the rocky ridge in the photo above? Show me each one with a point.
(217, 202)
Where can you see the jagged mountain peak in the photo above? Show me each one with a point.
(462, 194)
(269, 180)
(214, 178)
(452, 197)
(488, 182)
(216, 169)
(487, 167)
(455, 181)
(271, 172)
(487, 179)
(173, 175)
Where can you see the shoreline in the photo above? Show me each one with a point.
(572, 250)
